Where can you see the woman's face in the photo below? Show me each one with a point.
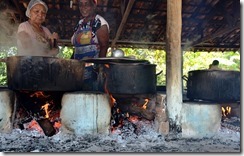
(38, 14)
(87, 7)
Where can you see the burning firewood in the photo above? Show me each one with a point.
(47, 127)
(133, 109)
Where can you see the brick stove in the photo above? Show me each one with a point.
(92, 112)
(81, 112)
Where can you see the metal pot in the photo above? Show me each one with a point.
(44, 73)
(118, 53)
(129, 78)
(214, 85)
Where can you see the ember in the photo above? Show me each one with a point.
(133, 134)
(40, 108)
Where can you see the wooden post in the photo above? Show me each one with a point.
(173, 60)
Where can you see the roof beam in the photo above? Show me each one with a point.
(124, 19)
(202, 23)
(18, 9)
(216, 34)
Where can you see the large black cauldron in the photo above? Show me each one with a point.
(131, 78)
(214, 85)
(44, 73)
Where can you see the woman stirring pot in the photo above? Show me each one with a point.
(34, 39)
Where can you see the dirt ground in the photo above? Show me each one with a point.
(131, 140)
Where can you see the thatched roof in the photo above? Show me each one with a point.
(209, 25)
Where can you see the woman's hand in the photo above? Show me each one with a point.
(54, 44)
(55, 36)
(54, 39)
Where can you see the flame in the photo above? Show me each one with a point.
(226, 111)
(57, 124)
(133, 119)
(45, 107)
(145, 104)
(39, 94)
(112, 99)
(106, 65)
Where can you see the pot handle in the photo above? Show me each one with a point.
(159, 73)
(184, 77)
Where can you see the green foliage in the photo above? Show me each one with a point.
(202, 60)
(5, 52)
(65, 52)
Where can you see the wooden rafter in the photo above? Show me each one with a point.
(142, 23)
(123, 22)
(18, 9)
(208, 17)
(216, 34)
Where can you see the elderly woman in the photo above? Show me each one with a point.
(34, 39)
(90, 39)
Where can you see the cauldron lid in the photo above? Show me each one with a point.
(108, 60)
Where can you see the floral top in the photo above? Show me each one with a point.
(85, 38)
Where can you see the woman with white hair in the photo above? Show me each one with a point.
(34, 39)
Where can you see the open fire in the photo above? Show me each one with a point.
(226, 111)
(85, 110)
(40, 110)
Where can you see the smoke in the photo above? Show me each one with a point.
(8, 28)
(188, 43)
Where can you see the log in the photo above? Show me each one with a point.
(47, 127)
(161, 119)
(135, 110)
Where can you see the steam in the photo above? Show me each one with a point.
(188, 43)
(8, 28)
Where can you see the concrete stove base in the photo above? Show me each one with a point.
(6, 110)
(85, 113)
(200, 120)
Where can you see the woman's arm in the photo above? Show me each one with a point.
(24, 39)
(103, 40)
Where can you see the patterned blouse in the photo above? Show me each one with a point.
(85, 38)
